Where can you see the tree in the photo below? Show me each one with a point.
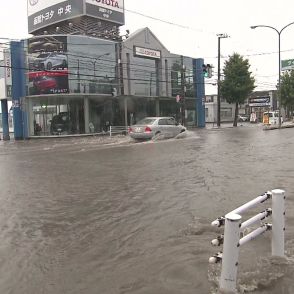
(287, 91)
(238, 82)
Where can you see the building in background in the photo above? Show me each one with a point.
(262, 101)
(258, 103)
(82, 75)
(154, 78)
(81, 81)
(227, 111)
(70, 84)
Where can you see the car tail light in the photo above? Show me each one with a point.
(130, 130)
(148, 130)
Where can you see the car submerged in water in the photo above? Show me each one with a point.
(150, 127)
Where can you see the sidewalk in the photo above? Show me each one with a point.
(90, 139)
(285, 125)
(223, 125)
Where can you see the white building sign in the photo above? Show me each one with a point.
(145, 52)
(260, 101)
(287, 64)
(35, 6)
(42, 13)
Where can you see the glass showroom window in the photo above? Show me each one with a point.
(56, 116)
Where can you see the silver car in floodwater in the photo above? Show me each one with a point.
(149, 127)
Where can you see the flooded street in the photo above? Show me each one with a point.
(81, 217)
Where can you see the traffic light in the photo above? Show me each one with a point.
(204, 70)
(207, 70)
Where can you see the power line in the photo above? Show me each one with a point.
(169, 22)
(166, 57)
(133, 66)
(98, 76)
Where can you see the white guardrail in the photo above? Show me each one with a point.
(233, 228)
(118, 130)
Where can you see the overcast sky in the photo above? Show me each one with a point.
(197, 22)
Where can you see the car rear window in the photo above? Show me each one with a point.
(171, 121)
(146, 121)
(42, 55)
(162, 122)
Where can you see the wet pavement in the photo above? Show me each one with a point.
(91, 215)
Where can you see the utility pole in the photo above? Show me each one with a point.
(120, 71)
(120, 64)
(219, 36)
(183, 90)
(79, 78)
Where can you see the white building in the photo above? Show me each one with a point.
(227, 110)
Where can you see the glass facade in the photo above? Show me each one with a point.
(176, 76)
(182, 79)
(71, 80)
(139, 107)
(92, 65)
(182, 73)
(57, 116)
(144, 76)
(73, 86)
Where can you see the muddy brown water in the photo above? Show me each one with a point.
(88, 216)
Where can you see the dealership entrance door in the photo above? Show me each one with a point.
(56, 116)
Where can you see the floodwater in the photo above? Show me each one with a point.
(87, 216)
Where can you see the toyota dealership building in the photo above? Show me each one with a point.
(79, 75)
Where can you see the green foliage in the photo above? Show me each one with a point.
(238, 82)
(287, 89)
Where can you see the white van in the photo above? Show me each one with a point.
(271, 118)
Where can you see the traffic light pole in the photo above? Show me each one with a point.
(183, 90)
(218, 84)
(219, 36)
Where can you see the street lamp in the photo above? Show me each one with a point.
(219, 36)
(96, 59)
(279, 34)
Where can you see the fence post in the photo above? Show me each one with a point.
(278, 222)
(230, 253)
(110, 131)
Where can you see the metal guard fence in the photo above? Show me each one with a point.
(234, 229)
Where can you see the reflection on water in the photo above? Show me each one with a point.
(92, 215)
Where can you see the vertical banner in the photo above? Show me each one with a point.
(18, 86)
(8, 72)
(199, 92)
(5, 124)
